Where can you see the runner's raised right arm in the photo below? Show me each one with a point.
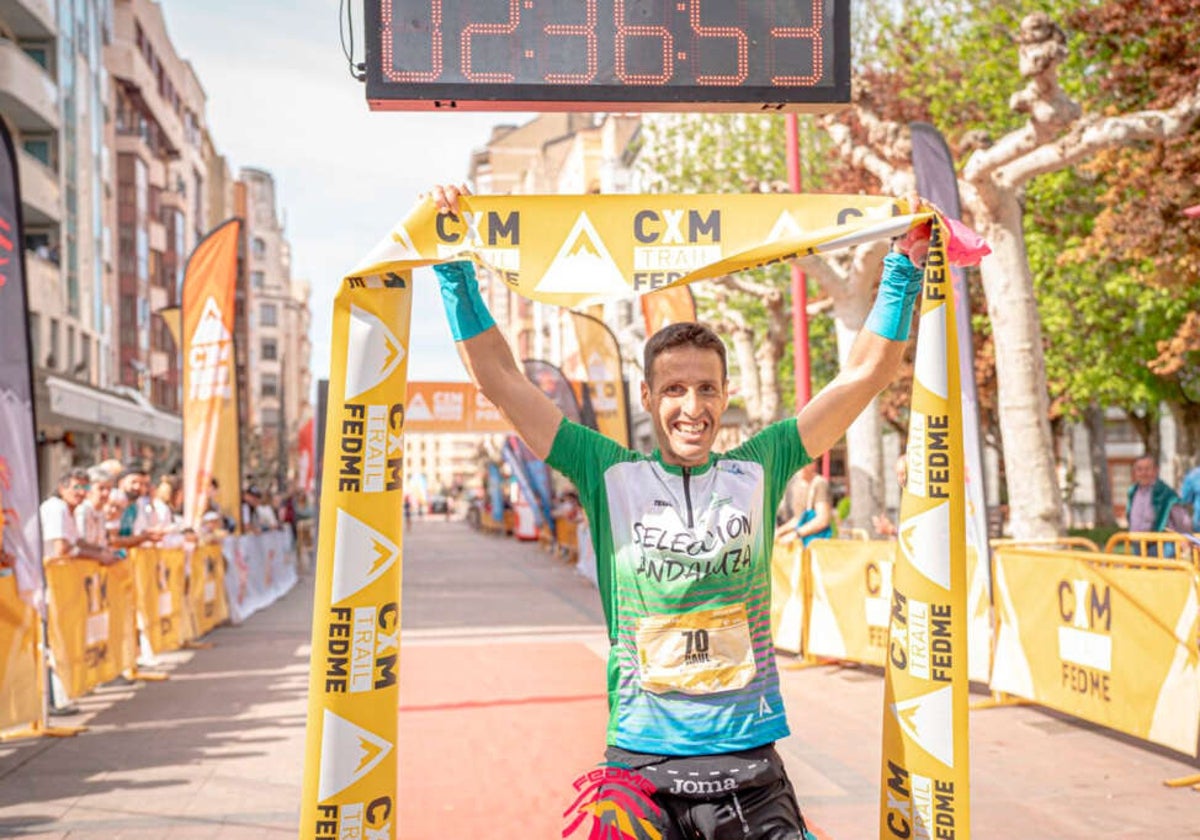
(484, 350)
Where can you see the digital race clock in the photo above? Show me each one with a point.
(610, 55)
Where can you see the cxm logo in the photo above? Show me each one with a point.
(372, 352)
(1084, 605)
(360, 556)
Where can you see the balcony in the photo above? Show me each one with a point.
(158, 236)
(43, 279)
(40, 193)
(28, 96)
(32, 19)
(160, 363)
(128, 66)
(159, 298)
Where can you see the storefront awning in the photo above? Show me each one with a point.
(104, 411)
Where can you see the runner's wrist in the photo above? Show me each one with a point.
(891, 314)
(466, 312)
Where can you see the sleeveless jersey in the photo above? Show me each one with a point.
(683, 558)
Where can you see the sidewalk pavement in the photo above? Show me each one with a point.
(213, 753)
(502, 707)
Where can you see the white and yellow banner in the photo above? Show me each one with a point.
(21, 669)
(851, 585)
(789, 596)
(206, 588)
(563, 250)
(925, 773)
(572, 250)
(350, 758)
(90, 622)
(159, 579)
(1102, 638)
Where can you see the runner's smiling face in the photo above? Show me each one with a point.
(686, 397)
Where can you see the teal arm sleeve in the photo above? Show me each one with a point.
(891, 316)
(465, 310)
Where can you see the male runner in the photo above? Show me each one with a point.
(683, 543)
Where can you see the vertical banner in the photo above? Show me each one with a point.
(523, 464)
(552, 382)
(350, 755)
(20, 530)
(672, 305)
(210, 413)
(306, 452)
(933, 166)
(596, 360)
(925, 769)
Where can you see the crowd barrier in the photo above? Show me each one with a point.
(262, 567)
(850, 599)
(20, 659)
(91, 621)
(1101, 637)
(838, 594)
(1160, 544)
(789, 596)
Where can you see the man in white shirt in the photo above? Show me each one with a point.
(60, 534)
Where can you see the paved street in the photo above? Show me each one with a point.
(502, 707)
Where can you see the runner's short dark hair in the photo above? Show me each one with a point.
(684, 334)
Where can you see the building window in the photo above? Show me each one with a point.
(70, 349)
(38, 52)
(85, 356)
(267, 315)
(259, 247)
(38, 148)
(270, 417)
(270, 351)
(256, 279)
(52, 350)
(270, 385)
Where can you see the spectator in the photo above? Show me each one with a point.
(1153, 505)
(815, 519)
(91, 516)
(251, 501)
(267, 519)
(134, 526)
(1189, 492)
(60, 535)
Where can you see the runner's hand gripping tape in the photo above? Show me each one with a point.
(465, 310)
(891, 316)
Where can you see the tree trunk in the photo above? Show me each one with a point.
(1187, 435)
(1093, 419)
(1035, 509)
(750, 385)
(852, 300)
(770, 354)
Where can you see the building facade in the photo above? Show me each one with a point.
(120, 179)
(278, 381)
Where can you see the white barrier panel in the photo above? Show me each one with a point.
(262, 567)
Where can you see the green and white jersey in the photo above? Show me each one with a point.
(683, 557)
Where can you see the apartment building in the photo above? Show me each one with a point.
(278, 381)
(120, 179)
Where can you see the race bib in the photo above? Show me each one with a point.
(700, 652)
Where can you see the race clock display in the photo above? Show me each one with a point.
(612, 55)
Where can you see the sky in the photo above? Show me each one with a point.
(280, 98)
